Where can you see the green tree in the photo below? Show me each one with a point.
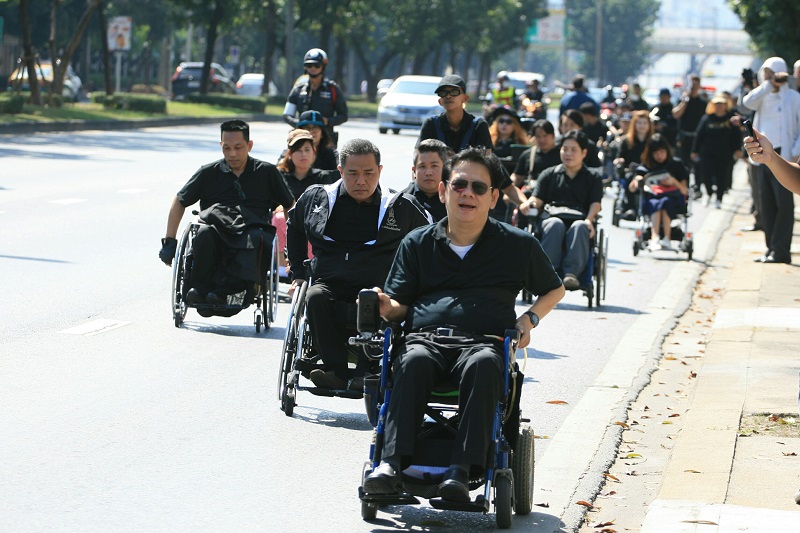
(626, 27)
(772, 26)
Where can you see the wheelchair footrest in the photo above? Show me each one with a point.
(401, 498)
(334, 393)
(478, 505)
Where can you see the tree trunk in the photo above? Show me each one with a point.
(28, 55)
(211, 39)
(269, 44)
(340, 60)
(60, 69)
(101, 18)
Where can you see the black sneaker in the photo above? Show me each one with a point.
(193, 297)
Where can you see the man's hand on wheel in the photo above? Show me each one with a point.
(168, 247)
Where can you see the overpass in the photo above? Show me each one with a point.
(708, 41)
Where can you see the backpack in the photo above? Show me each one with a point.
(467, 136)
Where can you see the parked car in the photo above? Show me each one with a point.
(408, 102)
(44, 69)
(252, 84)
(186, 80)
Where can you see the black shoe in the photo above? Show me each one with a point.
(194, 297)
(571, 282)
(216, 299)
(630, 214)
(327, 379)
(356, 384)
(455, 486)
(383, 480)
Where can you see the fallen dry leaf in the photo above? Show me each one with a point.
(615, 478)
(557, 402)
(692, 374)
(623, 424)
(666, 421)
(669, 358)
(693, 471)
(543, 504)
(585, 504)
(673, 415)
(608, 530)
(704, 522)
(790, 454)
(633, 456)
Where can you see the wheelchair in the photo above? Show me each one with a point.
(679, 230)
(299, 357)
(507, 480)
(263, 295)
(593, 278)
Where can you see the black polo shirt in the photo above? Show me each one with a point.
(476, 294)
(453, 139)
(555, 188)
(542, 161)
(432, 204)
(261, 184)
(352, 222)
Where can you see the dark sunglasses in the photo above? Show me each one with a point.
(313, 65)
(478, 187)
(504, 121)
(238, 187)
(445, 93)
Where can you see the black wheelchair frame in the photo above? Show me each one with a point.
(265, 295)
(679, 230)
(511, 462)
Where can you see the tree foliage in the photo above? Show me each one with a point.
(772, 25)
(626, 27)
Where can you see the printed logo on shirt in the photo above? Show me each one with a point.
(389, 222)
(317, 208)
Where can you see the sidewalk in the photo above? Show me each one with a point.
(712, 443)
(731, 470)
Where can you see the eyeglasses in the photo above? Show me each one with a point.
(446, 93)
(504, 121)
(478, 187)
(238, 187)
(313, 65)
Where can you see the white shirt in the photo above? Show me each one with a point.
(771, 119)
(461, 251)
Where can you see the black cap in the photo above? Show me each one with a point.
(452, 80)
(664, 91)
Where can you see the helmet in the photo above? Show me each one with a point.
(502, 75)
(316, 55)
(310, 117)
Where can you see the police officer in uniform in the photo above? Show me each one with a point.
(318, 94)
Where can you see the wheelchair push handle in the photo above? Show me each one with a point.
(368, 318)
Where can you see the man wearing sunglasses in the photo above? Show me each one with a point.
(318, 94)
(454, 286)
(460, 130)
(237, 195)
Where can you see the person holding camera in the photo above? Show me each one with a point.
(777, 116)
(688, 112)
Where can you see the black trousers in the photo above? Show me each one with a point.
(777, 213)
(685, 141)
(206, 249)
(716, 171)
(424, 360)
(331, 317)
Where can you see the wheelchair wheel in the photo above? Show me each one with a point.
(273, 286)
(289, 400)
(290, 340)
(502, 501)
(522, 467)
(369, 511)
(180, 273)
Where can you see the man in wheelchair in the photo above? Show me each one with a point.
(237, 195)
(354, 227)
(572, 194)
(454, 285)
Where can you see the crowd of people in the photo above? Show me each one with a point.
(438, 253)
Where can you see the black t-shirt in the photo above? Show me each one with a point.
(261, 184)
(477, 293)
(673, 165)
(695, 109)
(595, 131)
(314, 177)
(541, 161)
(453, 139)
(631, 154)
(326, 158)
(555, 188)
(432, 204)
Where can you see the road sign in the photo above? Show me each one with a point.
(549, 30)
(119, 34)
(234, 53)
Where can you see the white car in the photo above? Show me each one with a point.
(408, 103)
(252, 83)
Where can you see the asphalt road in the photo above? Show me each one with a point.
(113, 419)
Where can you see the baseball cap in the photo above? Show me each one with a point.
(295, 136)
(719, 99)
(452, 80)
(310, 117)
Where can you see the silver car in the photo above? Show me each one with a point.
(250, 84)
(408, 102)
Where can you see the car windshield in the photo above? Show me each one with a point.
(415, 87)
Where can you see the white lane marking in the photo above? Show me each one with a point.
(95, 327)
(132, 191)
(67, 201)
